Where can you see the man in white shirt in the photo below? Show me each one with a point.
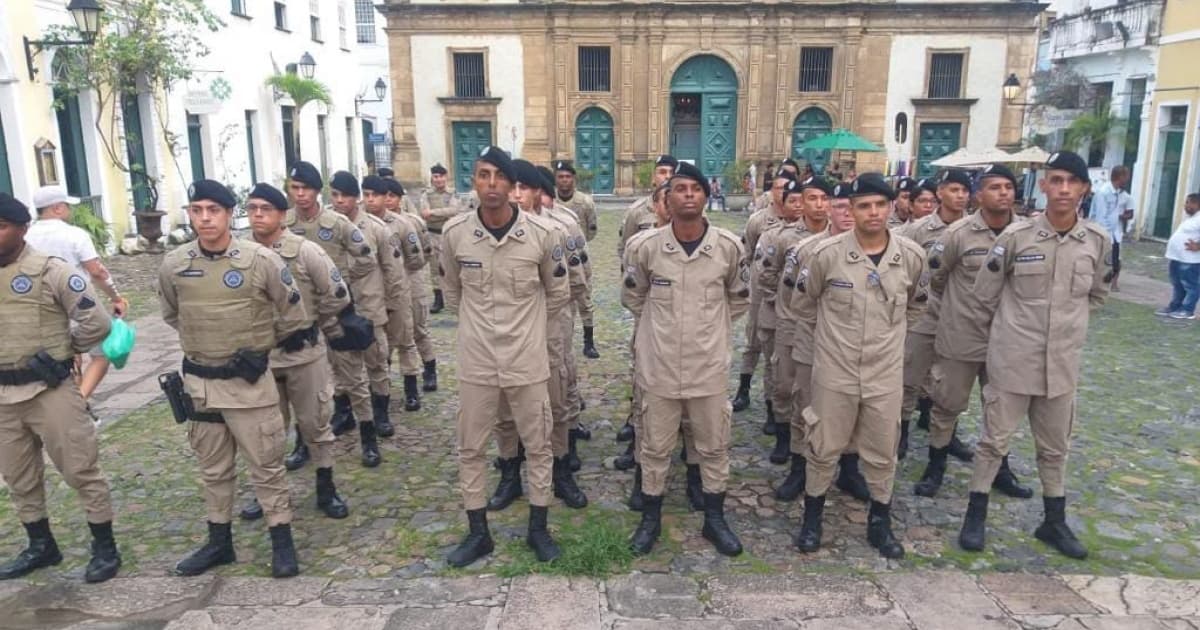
(1112, 208)
(52, 235)
(1183, 263)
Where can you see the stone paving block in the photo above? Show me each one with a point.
(1179, 623)
(1162, 597)
(287, 618)
(9, 589)
(705, 624)
(945, 601)
(456, 617)
(117, 625)
(128, 599)
(546, 602)
(244, 591)
(1118, 622)
(794, 597)
(1028, 594)
(412, 592)
(883, 622)
(1102, 592)
(653, 595)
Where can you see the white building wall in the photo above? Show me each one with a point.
(433, 77)
(374, 65)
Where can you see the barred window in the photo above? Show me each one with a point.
(469, 75)
(816, 69)
(364, 17)
(281, 16)
(594, 69)
(237, 7)
(945, 75)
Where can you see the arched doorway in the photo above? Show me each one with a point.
(704, 113)
(594, 147)
(811, 123)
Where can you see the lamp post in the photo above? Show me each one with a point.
(308, 66)
(86, 14)
(380, 91)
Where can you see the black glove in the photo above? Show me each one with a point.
(250, 365)
(358, 332)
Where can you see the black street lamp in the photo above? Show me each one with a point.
(86, 14)
(380, 92)
(1012, 89)
(308, 66)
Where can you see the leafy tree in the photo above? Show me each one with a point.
(302, 92)
(1093, 128)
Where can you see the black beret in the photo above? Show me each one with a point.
(564, 165)
(924, 184)
(547, 180)
(782, 174)
(437, 169)
(395, 187)
(790, 162)
(1069, 162)
(791, 188)
(906, 184)
(385, 172)
(269, 194)
(209, 190)
(841, 191)
(998, 170)
(345, 183)
(306, 174)
(500, 159)
(527, 173)
(666, 159)
(954, 176)
(687, 170)
(820, 183)
(12, 210)
(375, 184)
(871, 184)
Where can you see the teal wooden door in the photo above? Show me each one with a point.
(811, 123)
(5, 176)
(594, 147)
(716, 85)
(470, 139)
(135, 148)
(1168, 182)
(717, 129)
(935, 141)
(70, 142)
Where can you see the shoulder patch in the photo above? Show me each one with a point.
(76, 283)
(85, 303)
(356, 236)
(285, 276)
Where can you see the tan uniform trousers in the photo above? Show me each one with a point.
(801, 399)
(837, 420)
(420, 311)
(508, 435)
(1050, 419)
(57, 419)
(753, 346)
(477, 417)
(709, 418)
(766, 344)
(353, 371)
(784, 395)
(259, 434)
(583, 304)
(435, 278)
(306, 391)
(953, 381)
(401, 337)
(918, 359)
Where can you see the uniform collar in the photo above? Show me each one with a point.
(1047, 231)
(671, 243)
(976, 222)
(854, 253)
(234, 251)
(518, 232)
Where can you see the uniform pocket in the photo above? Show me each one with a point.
(271, 441)
(81, 448)
(899, 304)
(660, 293)
(1029, 280)
(1082, 276)
(525, 283)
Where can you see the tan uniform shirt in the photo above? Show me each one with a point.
(325, 295)
(861, 313)
(759, 222)
(639, 217)
(584, 207)
(46, 305)
(685, 306)
(768, 256)
(802, 305)
(338, 237)
(502, 292)
(1036, 290)
(576, 249)
(779, 279)
(443, 206)
(926, 232)
(391, 292)
(407, 229)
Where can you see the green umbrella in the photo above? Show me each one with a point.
(840, 140)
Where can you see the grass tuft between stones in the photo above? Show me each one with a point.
(595, 546)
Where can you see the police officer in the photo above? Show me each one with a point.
(864, 282)
(502, 260)
(584, 208)
(302, 373)
(688, 277)
(437, 205)
(953, 190)
(232, 301)
(418, 256)
(1037, 286)
(903, 207)
(961, 348)
(404, 238)
(922, 201)
(49, 313)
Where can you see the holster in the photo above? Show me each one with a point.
(50, 371)
(181, 403)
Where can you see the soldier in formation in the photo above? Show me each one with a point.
(584, 208)
(437, 205)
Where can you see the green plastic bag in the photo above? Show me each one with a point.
(119, 343)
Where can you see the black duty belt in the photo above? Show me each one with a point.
(223, 372)
(434, 230)
(309, 335)
(211, 417)
(27, 376)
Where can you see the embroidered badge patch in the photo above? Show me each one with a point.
(233, 279)
(325, 234)
(21, 285)
(76, 283)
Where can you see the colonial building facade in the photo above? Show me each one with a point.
(611, 84)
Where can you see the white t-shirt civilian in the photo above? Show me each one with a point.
(1189, 230)
(55, 237)
(1107, 205)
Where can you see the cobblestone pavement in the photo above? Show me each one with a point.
(1132, 489)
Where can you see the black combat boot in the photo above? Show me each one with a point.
(41, 552)
(649, 528)
(879, 531)
(935, 472)
(783, 444)
(1054, 530)
(379, 413)
(283, 552)
(850, 480)
(370, 446)
(695, 488)
(328, 500)
(1007, 483)
(808, 539)
(974, 528)
(217, 551)
(589, 343)
(509, 487)
(299, 456)
(476, 545)
(626, 433)
(793, 485)
(538, 538)
(902, 447)
(252, 511)
(412, 394)
(343, 420)
(579, 431)
(625, 460)
(572, 455)
(637, 500)
(429, 376)
(768, 427)
(716, 530)
(565, 487)
(741, 400)
(438, 302)
(105, 558)
(924, 407)
(958, 449)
